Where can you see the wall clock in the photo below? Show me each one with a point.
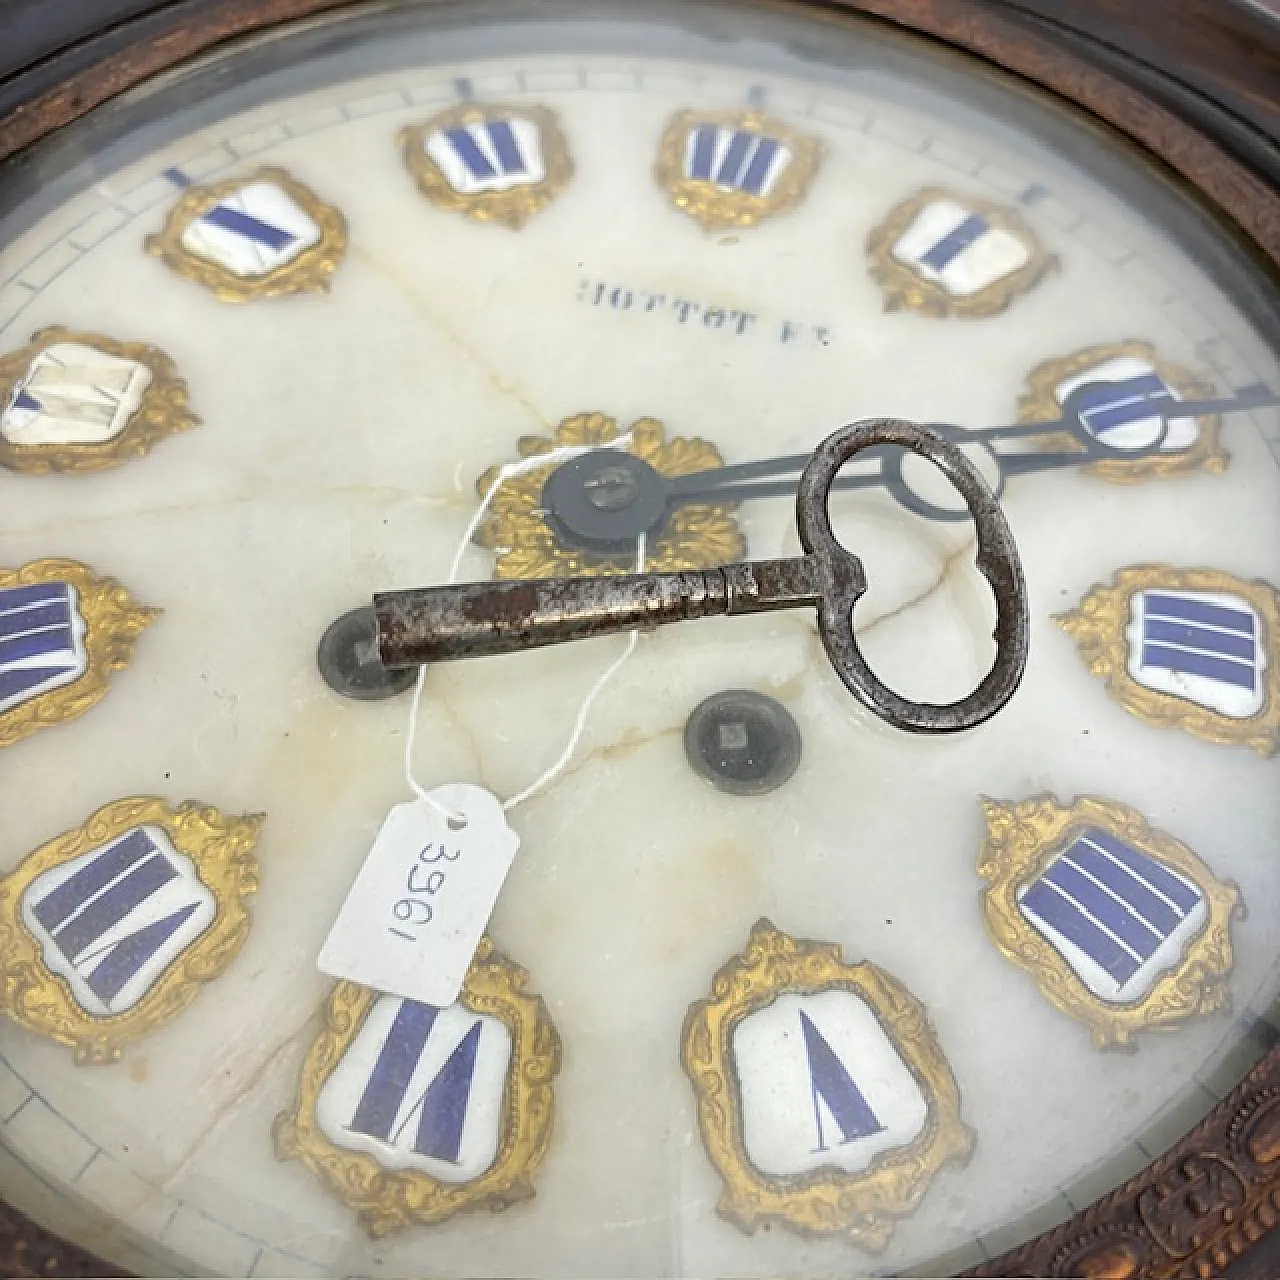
(298, 300)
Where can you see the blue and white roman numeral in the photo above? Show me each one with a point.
(1183, 634)
(111, 921)
(420, 1087)
(252, 231)
(41, 641)
(73, 394)
(942, 253)
(437, 1112)
(821, 1084)
(1116, 399)
(833, 1087)
(959, 249)
(1204, 647)
(488, 155)
(1107, 406)
(735, 159)
(1117, 915)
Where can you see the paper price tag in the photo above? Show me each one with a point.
(414, 916)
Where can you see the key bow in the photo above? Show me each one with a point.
(996, 558)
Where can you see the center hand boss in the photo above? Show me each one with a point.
(435, 624)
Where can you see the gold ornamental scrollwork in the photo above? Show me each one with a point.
(720, 208)
(1040, 404)
(113, 622)
(309, 271)
(162, 411)
(695, 535)
(511, 206)
(905, 289)
(1098, 624)
(859, 1207)
(1023, 838)
(222, 850)
(389, 1200)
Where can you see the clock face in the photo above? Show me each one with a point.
(771, 987)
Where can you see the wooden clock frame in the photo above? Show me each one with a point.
(1193, 84)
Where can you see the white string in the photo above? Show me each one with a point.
(506, 472)
(580, 724)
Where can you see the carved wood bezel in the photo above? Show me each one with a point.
(1207, 1207)
(1183, 1215)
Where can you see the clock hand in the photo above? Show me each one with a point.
(722, 481)
(889, 476)
(604, 500)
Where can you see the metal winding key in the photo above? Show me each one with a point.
(435, 624)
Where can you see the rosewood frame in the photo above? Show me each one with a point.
(1192, 83)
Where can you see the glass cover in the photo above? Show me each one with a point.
(771, 987)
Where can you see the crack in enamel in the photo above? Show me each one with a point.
(442, 699)
(406, 288)
(948, 567)
(620, 750)
(626, 746)
(162, 1185)
(900, 610)
(224, 1112)
(632, 742)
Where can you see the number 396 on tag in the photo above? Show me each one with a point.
(420, 903)
(415, 910)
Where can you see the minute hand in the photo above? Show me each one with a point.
(730, 483)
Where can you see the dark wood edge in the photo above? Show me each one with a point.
(151, 44)
(1207, 1208)
(1210, 1206)
(1251, 202)
(1216, 66)
(1226, 50)
(27, 1250)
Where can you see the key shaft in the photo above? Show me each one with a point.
(476, 619)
